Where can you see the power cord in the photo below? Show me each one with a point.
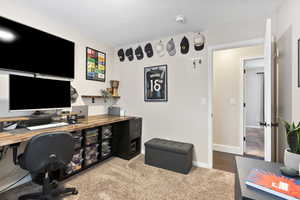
(8, 187)
(3, 151)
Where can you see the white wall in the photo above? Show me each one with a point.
(230, 33)
(184, 116)
(12, 10)
(287, 35)
(227, 102)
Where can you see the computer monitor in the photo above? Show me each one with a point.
(28, 93)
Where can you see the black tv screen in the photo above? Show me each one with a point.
(28, 93)
(27, 49)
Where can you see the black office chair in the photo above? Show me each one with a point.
(43, 155)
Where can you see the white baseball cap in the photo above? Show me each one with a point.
(199, 41)
(160, 49)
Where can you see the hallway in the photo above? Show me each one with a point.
(254, 145)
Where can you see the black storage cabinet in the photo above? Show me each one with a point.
(128, 134)
(170, 155)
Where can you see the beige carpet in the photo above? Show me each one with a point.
(119, 179)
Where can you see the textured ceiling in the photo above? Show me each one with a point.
(122, 22)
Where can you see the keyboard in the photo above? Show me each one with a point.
(53, 125)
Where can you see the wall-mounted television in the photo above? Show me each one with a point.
(28, 93)
(26, 49)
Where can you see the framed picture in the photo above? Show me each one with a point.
(95, 65)
(156, 83)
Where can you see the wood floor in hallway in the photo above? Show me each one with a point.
(254, 145)
(226, 161)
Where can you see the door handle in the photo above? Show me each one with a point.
(263, 123)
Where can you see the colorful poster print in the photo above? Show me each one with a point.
(95, 65)
(156, 83)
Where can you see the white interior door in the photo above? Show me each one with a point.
(270, 94)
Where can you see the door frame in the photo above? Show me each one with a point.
(242, 96)
(211, 49)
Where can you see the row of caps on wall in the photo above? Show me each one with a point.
(199, 43)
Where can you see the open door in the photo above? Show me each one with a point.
(270, 123)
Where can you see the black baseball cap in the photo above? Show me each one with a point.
(184, 45)
(139, 53)
(129, 54)
(149, 50)
(121, 55)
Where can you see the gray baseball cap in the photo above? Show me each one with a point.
(171, 47)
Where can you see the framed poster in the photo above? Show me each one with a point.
(156, 83)
(95, 65)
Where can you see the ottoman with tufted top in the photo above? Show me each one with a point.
(171, 155)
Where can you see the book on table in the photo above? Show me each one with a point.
(278, 185)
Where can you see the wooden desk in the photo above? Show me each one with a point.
(125, 141)
(10, 137)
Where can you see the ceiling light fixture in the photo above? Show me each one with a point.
(6, 35)
(180, 19)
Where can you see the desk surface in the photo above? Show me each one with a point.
(7, 138)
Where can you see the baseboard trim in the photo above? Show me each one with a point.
(253, 127)
(201, 164)
(228, 149)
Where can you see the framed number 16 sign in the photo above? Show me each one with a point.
(156, 83)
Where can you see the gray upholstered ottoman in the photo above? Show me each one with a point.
(171, 155)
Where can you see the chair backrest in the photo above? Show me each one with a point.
(50, 151)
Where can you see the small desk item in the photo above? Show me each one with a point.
(52, 125)
(82, 111)
(11, 119)
(244, 167)
(289, 172)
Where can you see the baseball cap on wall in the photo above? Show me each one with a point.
(184, 45)
(139, 53)
(199, 41)
(121, 55)
(149, 50)
(129, 54)
(160, 49)
(171, 47)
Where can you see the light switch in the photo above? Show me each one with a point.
(203, 101)
(232, 101)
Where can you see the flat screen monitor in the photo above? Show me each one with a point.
(28, 93)
(26, 49)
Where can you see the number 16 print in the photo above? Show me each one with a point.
(155, 83)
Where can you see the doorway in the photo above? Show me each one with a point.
(228, 100)
(253, 112)
(234, 144)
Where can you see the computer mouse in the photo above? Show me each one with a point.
(290, 172)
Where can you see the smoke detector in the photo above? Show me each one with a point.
(180, 19)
